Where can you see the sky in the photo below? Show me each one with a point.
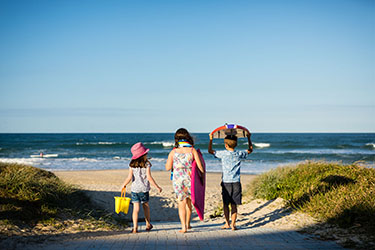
(155, 66)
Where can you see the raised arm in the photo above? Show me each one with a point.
(250, 150)
(128, 179)
(210, 145)
(152, 181)
(169, 164)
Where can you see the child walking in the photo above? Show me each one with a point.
(231, 185)
(180, 161)
(140, 175)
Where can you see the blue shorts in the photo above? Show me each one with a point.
(232, 193)
(140, 197)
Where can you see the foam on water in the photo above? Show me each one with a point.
(25, 161)
(99, 143)
(323, 152)
(165, 144)
(262, 144)
(112, 151)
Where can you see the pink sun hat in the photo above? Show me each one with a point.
(138, 150)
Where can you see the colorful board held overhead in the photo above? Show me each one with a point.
(230, 129)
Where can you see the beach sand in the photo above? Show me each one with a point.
(103, 185)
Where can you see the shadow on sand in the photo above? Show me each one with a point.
(105, 200)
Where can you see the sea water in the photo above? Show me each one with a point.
(112, 151)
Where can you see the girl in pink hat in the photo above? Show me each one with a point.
(180, 159)
(140, 175)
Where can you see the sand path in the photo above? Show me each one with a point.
(261, 224)
(103, 185)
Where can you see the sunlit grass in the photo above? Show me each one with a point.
(30, 195)
(335, 193)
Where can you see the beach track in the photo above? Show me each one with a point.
(204, 235)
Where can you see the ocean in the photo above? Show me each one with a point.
(112, 151)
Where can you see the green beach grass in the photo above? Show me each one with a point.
(340, 194)
(31, 197)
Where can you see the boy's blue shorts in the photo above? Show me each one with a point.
(140, 197)
(232, 193)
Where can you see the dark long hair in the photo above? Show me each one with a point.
(141, 162)
(182, 134)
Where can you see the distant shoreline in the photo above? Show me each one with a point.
(125, 169)
(117, 133)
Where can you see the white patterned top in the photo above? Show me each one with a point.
(139, 180)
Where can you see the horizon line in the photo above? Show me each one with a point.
(257, 132)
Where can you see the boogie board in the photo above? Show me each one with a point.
(44, 156)
(198, 186)
(230, 129)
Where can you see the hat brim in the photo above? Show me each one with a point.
(137, 156)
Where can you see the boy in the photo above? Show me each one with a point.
(231, 185)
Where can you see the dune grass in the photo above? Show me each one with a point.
(335, 193)
(30, 195)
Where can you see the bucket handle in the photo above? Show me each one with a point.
(123, 192)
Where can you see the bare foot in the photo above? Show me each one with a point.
(234, 228)
(226, 226)
(189, 227)
(149, 227)
(134, 231)
(182, 231)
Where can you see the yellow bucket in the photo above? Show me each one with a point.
(122, 203)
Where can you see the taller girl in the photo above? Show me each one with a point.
(180, 161)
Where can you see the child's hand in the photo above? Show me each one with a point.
(250, 150)
(160, 189)
(210, 135)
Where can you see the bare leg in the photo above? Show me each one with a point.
(226, 215)
(146, 210)
(188, 213)
(182, 214)
(233, 216)
(135, 216)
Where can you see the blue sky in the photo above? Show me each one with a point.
(155, 66)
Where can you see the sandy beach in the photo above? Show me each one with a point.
(253, 214)
(103, 185)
